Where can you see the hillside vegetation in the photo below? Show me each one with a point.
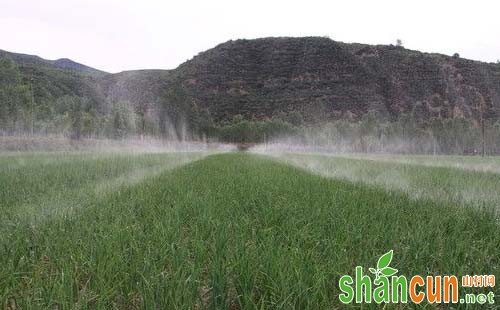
(264, 89)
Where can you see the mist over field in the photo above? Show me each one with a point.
(137, 145)
(460, 180)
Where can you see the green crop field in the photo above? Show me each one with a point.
(195, 230)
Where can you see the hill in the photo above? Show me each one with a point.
(63, 63)
(325, 80)
(289, 81)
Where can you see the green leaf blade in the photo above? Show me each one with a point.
(384, 260)
(388, 271)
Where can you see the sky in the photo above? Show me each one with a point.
(118, 35)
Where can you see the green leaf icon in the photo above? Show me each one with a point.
(384, 260)
(388, 271)
(372, 270)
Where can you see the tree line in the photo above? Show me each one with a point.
(29, 109)
(407, 134)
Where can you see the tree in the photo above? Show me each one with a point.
(294, 117)
(122, 119)
(480, 107)
(201, 122)
(175, 109)
(399, 42)
(367, 126)
(13, 96)
(32, 108)
(74, 108)
(141, 111)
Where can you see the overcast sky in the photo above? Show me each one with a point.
(117, 35)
